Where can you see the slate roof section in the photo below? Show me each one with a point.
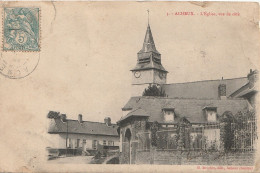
(244, 90)
(148, 45)
(192, 109)
(203, 89)
(148, 56)
(136, 112)
(238, 91)
(86, 127)
(149, 65)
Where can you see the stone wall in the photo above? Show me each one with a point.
(195, 158)
(130, 147)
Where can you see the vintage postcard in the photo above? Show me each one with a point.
(129, 87)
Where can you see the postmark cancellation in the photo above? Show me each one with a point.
(21, 41)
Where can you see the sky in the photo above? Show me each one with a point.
(85, 60)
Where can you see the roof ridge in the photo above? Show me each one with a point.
(206, 80)
(155, 97)
(236, 91)
(91, 121)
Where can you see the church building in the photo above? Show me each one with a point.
(194, 107)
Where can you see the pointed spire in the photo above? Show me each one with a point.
(148, 36)
(148, 45)
(148, 57)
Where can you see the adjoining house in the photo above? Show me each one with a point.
(79, 137)
(187, 116)
(248, 91)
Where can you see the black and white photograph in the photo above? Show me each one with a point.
(129, 83)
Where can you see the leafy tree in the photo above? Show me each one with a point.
(53, 114)
(183, 134)
(226, 130)
(154, 129)
(153, 90)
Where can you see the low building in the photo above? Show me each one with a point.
(81, 135)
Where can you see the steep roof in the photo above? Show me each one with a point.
(203, 89)
(251, 87)
(136, 112)
(192, 109)
(148, 45)
(148, 56)
(86, 127)
(243, 91)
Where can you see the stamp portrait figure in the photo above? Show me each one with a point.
(21, 29)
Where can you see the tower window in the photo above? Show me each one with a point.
(157, 60)
(144, 60)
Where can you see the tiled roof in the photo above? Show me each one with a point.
(203, 89)
(136, 112)
(251, 87)
(244, 90)
(192, 109)
(86, 127)
(238, 91)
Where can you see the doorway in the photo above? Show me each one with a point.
(128, 146)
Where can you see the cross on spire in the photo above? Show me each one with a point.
(148, 15)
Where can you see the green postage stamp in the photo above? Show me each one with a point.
(21, 29)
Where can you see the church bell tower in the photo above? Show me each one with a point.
(148, 70)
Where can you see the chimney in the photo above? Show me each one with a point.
(107, 120)
(222, 91)
(80, 118)
(63, 117)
